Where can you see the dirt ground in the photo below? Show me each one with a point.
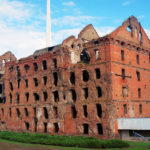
(10, 146)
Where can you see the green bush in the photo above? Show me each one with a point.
(67, 141)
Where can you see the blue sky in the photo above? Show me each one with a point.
(22, 22)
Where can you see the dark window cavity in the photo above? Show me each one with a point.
(99, 110)
(10, 96)
(55, 76)
(45, 80)
(9, 112)
(11, 86)
(85, 128)
(55, 111)
(56, 127)
(35, 66)
(34, 109)
(85, 90)
(36, 97)
(99, 91)
(18, 83)
(123, 74)
(44, 65)
(2, 109)
(85, 110)
(45, 95)
(18, 112)
(27, 96)
(45, 112)
(74, 96)
(72, 78)
(139, 92)
(122, 55)
(84, 57)
(35, 81)
(74, 112)
(98, 73)
(56, 96)
(26, 82)
(100, 128)
(26, 67)
(85, 75)
(55, 62)
(26, 112)
(140, 109)
(45, 127)
(1, 88)
(138, 75)
(125, 109)
(18, 98)
(27, 125)
(137, 59)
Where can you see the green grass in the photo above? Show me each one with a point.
(67, 141)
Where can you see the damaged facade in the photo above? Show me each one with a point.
(82, 87)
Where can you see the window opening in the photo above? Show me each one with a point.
(123, 74)
(45, 127)
(99, 91)
(100, 128)
(55, 76)
(85, 128)
(99, 110)
(122, 55)
(27, 96)
(56, 96)
(35, 81)
(27, 125)
(85, 75)
(74, 112)
(55, 62)
(1, 88)
(36, 97)
(26, 112)
(125, 109)
(56, 128)
(85, 93)
(55, 111)
(19, 83)
(84, 57)
(26, 82)
(18, 112)
(35, 66)
(45, 80)
(44, 64)
(85, 110)
(10, 112)
(137, 59)
(140, 109)
(26, 67)
(139, 92)
(138, 75)
(45, 112)
(72, 78)
(10, 96)
(74, 96)
(98, 73)
(45, 95)
(18, 98)
(11, 86)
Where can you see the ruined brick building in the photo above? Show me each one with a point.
(90, 85)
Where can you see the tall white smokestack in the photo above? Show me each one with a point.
(48, 26)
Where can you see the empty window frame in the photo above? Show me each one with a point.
(34, 110)
(125, 109)
(55, 62)
(123, 73)
(26, 112)
(85, 128)
(45, 127)
(55, 77)
(98, 73)
(26, 67)
(72, 78)
(85, 75)
(27, 125)
(137, 59)
(27, 96)
(26, 83)
(18, 82)
(44, 65)
(138, 75)
(56, 96)
(99, 110)
(18, 98)
(10, 96)
(1, 88)
(35, 81)
(140, 109)
(99, 91)
(36, 97)
(10, 112)
(99, 128)
(35, 66)
(45, 112)
(18, 113)
(86, 94)
(85, 111)
(45, 80)
(139, 92)
(45, 95)
(55, 111)
(122, 55)
(74, 95)
(73, 111)
(11, 86)
(56, 127)
(97, 54)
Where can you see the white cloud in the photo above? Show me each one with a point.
(141, 17)
(74, 20)
(126, 3)
(70, 3)
(148, 32)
